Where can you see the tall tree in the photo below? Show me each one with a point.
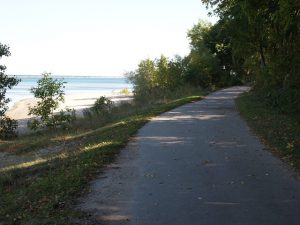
(7, 125)
(266, 35)
(202, 64)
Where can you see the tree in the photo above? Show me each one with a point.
(176, 70)
(7, 125)
(202, 65)
(143, 79)
(51, 93)
(156, 78)
(265, 38)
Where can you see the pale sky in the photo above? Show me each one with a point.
(94, 37)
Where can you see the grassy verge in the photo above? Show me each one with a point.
(280, 131)
(43, 191)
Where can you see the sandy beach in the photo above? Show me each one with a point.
(19, 110)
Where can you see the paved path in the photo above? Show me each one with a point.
(198, 164)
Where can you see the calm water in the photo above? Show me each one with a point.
(74, 85)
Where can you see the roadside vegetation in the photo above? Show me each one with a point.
(279, 131)
(42, 190)
(259, 41)
(254, 42)
(43, 173)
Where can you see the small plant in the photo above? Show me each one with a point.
(7, 125)
(64, 118)
(33, 124)
(51, 93)
(102, 106)
(125, 91)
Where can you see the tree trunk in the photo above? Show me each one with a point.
(262, 56)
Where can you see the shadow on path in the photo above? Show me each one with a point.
(198, 164)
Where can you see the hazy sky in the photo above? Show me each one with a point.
(94, 37)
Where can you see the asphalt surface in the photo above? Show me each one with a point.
(198, 164)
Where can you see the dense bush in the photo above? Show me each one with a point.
(156, 78)
(202, 67)
(8, 128)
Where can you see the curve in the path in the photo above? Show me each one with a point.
(198, 164)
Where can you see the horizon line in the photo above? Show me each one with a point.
(68, 75)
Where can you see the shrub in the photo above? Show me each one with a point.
(102, 108)
(51, 94)
(7, 128)
(64, 118)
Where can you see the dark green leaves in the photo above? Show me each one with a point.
(7, 125)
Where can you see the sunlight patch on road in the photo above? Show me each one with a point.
(187, 117)
(222, 203)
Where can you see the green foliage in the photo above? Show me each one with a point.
(212, 61)
(101, 110)
(7, 128)
(7, 125)
(156, 78)
(51, 94)
(209, 64)
(102, 106)
(264, 38)
(202, 65)
(143, 79)
(33, 124)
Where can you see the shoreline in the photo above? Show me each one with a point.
(79, 102)
(74, 101)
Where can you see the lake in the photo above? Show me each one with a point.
(74, 85)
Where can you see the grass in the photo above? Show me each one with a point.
(43, 191)
(280, 131)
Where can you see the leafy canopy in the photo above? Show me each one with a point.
(7, 125)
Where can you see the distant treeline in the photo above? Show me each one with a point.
(253, 41)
